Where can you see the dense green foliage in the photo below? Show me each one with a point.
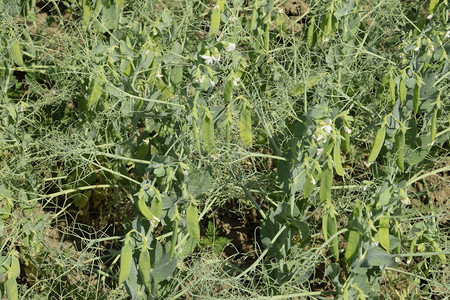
(128, 129)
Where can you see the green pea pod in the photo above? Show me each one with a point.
(221, 4)
(331, 230)
(215, 21)
(310, 37)
(325, 226)
(95, 91)
(192, 221)
(16, 53)
(399, 148)
(416, 97)
(352, 244)
(378, 143)
(228, 88)
(337, 158)
(402, 87)
(254, 16)
(145, 211)
(145, 269)
(383, 232)
(309, 186)
(126, 259)
(267, 37)
(228, 126)
(433, 125)
(392, 86)
(397, 235)
(11, 289)
(174, 237)
(156, 206)
(194, 127)
(245, 125)
(346, 141)
(438, 249)
(15, 266)
(433, 6)
(86, 12)
(208, 132)
(326, 182)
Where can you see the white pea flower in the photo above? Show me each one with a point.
(447, 35)
(431, 47)
(313, 181)
(430, 16)
(230, 47)
(327, 128)
(405, 201)
(319, 137)
(319, 151)
(374, 243)
(397, 259)
(185, 173)
(200, 79)
(159, 75)
(216, 57)
(417, 48)
(208, 59)
(348, 130)
(147, 52)
(236, 81)
(408, 261)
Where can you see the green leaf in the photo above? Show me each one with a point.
(377, 257)
(164, 268)
(199, 182)
(11, 289)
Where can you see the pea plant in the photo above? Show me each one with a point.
(324, 119)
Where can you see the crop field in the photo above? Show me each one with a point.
(224, 149)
